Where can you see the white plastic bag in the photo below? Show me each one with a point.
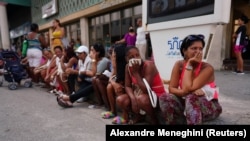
(209, 92)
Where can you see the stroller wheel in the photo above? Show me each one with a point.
(12, 86)
(27, 84)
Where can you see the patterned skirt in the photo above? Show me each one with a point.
(192, 110)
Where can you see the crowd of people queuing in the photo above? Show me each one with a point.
(116, 82)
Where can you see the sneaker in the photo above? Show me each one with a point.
(234, 71)
(81, 100)
(240, 72)
(53, 91)
(94, 107)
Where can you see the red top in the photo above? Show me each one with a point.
(197, 71)
(157, 85)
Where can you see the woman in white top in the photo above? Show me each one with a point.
(36, 42)
(141, 42)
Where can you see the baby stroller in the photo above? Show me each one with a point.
(13, 71)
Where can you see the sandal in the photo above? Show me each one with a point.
(107, 115)
(63, 103)
(119, 120)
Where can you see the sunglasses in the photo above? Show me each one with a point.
(195, 37)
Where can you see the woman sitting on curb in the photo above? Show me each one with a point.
(137, 98)
(193, 97)
(96, 66)
(115, 87)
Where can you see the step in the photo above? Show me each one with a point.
(230, 64)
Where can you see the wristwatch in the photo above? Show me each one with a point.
(189, 67)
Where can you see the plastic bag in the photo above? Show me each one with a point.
(209, 92)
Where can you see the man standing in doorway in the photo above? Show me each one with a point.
(141, 42)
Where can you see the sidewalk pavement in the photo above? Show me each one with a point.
(234, 97)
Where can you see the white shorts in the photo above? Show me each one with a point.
(34, 57)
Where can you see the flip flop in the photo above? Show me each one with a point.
(119, 120)
(63, 103)
(107, 115)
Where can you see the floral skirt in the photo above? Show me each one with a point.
(192, 110)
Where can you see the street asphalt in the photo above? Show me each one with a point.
(32, 114)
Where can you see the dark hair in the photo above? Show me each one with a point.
(59, 23)
(70, 53)
(128, 48)
(120, 50)
(189, 40)
(99, 48)
(58, 47)
(34, 27)
(244, 18)
(47, 49)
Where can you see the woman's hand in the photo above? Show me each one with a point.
(199, 92)
(119, 89)
(46, 78)
(135, 67)
(69, 71)
(197, 58)
(93, 55)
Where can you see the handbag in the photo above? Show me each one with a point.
(152, 95)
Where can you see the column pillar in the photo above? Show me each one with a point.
(4, 28)
(84, 26)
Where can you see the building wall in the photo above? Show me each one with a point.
(65, 8)
(77, 12)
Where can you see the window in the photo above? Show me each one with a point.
(166, 10)
(137, 10)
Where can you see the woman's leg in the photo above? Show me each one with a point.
(111, 98)
(193, 109)
(240, 62)
(210, 109)
(32, 75)
(71, 82)
(172, 109)
(145, 104)
(97, 91)
(61, 79)
(84, 90)
(102, 87)
(123, 101)
(239, 59)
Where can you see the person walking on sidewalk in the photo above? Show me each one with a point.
(238, 39)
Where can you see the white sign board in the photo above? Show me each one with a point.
(49, 9)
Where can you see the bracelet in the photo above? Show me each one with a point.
(93, 60)
(189, 67)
